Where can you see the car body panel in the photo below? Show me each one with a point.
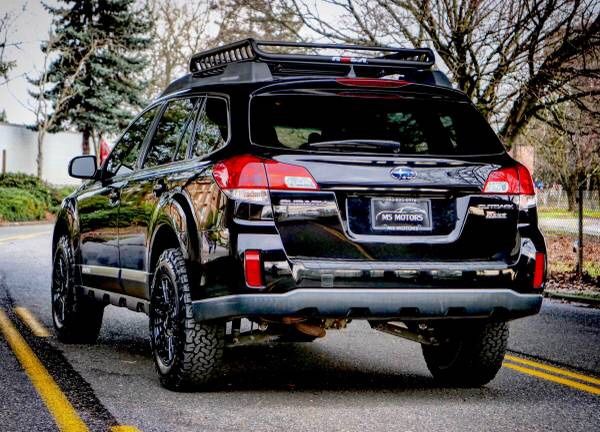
(317, 239)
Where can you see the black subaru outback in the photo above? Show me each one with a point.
(280, 190)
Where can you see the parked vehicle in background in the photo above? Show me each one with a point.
(300, 192)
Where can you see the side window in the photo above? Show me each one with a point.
(212, 128)
(123, 157)
(169, 141)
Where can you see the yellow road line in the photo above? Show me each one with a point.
(57, 403)
(124, 429)
(545, 376)
(23, 236)
(553, 369)
(36, 327)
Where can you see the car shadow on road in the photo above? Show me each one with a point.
(312, 367)
(306, 367)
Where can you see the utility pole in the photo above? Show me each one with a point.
(579, 268)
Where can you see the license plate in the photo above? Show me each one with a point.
(400, 214)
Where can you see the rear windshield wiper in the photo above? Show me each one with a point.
(371, 144)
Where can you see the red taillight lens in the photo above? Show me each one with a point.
(289, 177)
(539, 269)
(514, 180)
(240, 172)
(253, 269)
(249, 178)
(371, 82)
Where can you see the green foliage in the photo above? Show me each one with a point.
(20, 205)
(24, 197)
(99, 46)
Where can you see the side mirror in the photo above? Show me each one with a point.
(83, 167)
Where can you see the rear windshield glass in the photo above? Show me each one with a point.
(370, 123)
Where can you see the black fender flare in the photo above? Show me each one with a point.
(174, 214)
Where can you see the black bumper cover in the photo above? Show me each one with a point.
(402, 304)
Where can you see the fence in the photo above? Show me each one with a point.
(572, 237)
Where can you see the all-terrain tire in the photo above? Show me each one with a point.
(76, 318)
(197, 346)
(471, 356)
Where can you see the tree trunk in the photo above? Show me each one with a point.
(40, 151)
(571, 190)
(85, 144)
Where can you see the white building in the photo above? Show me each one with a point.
(18, 153)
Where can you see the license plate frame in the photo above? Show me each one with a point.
(401, 214)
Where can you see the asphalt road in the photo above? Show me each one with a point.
(591, 226)
(353, 380)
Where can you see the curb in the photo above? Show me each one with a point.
(579, 298)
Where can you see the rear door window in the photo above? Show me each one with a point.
(170, 140)
(370, 122)
(212, 127)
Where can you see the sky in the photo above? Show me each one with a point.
(30, 27)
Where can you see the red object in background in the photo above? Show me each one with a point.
(104, 151)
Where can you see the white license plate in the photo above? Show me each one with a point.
(400, 214)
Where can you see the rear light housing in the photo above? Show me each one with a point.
(515, 180)
(249, 178)
(253, 273)
(539, 270)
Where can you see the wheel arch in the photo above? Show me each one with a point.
(174, 226)
(66, 224)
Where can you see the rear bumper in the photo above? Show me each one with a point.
(405, 304)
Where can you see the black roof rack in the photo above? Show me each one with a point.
(309, 61)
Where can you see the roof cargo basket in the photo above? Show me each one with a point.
(292, 58)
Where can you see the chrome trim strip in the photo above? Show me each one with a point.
(104, 271)
(134, 275)
(329, 265)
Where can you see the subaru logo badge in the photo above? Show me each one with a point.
(403, 173)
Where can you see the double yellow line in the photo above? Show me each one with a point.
(554, 374)
(66, 417)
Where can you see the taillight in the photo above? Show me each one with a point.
(249, 178)
(253, 269)
(539, 269)
(288, 177)
(514, 180)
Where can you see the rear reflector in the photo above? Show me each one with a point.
(514, 180)
(540, 267)
(253, 269)
(371, 82)
(249, 178)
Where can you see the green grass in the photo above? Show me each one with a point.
(25, 198)
(592, 268)
(565, 214)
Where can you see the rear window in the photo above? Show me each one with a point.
(370, 123)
